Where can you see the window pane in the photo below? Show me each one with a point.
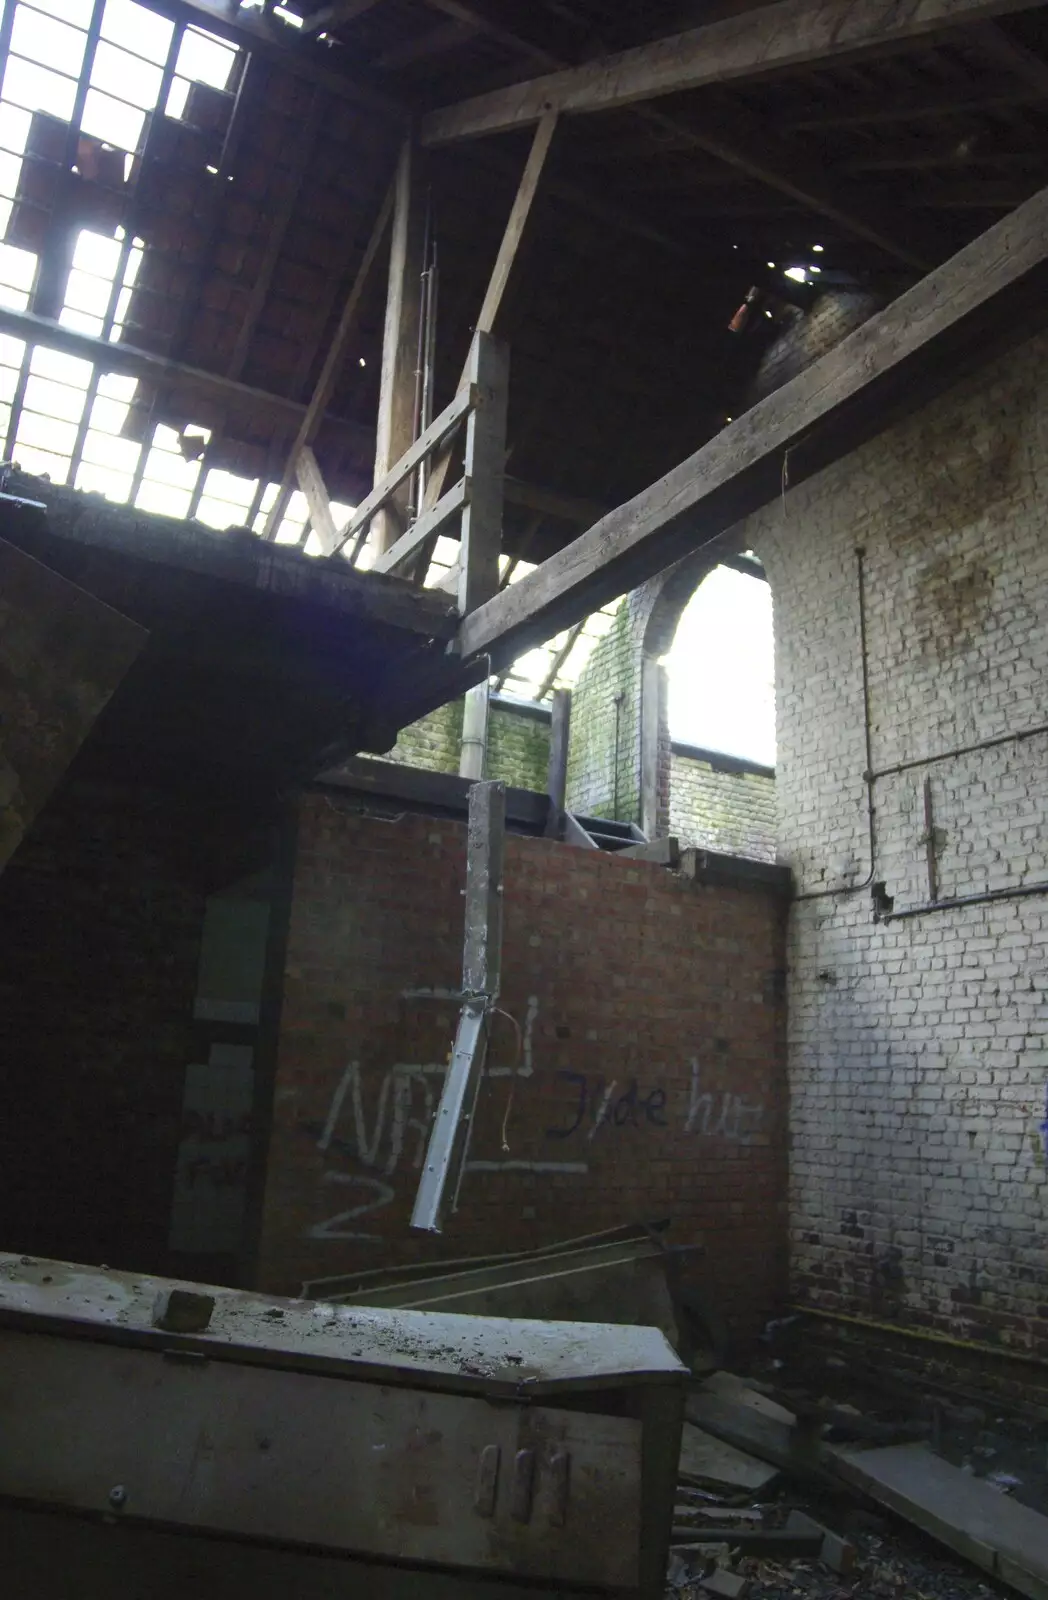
(80, 321)
(126, 76)
(95, 253)
(165, 468)
(103, 480)
(84, 292)
(219, 514)
(205, 60)
(46, 40)
(76, 11)
(137, 29)
(10, 168)
(177, 98)
(64, 369)
(112, 121)
(8, 383)
(109, 415)
(36, 89)
(42, 463)
(14, 128)
(227, 486)
(46, 434)
(11, 351)
(17, 267)
(164, 500)
(54, 399)
(117, 386)
(17, 299)
(120, 455)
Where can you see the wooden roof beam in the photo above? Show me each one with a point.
(992, 291)
(790, 34)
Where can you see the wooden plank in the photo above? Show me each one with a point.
(435, 41)
(426, 527)
(747, 145)
(663, 852)
(313, 487)
(1004, 1538)
(336, 15)
(63, 654)
(438, 430)
(897, 360)
(1014, 57)
(398, 385)
(499, 280)
(329, 372)
(518, 217)
(299, 158)
(557, 772)
(481, 541)
(791, 34)
(708, 1460)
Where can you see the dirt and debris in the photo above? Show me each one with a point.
(846, 1497)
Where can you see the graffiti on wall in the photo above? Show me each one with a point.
(384, 1139)
(391, 1137)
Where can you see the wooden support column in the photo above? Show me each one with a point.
(396, 406)
(486, 470)
(474, 748)
(652, 699)
(557, 776)
(495, 292)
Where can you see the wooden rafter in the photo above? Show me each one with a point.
(314, 411)
(399, 381)
(334, 16)
(790, 34)
(439, 40)
(991, 290)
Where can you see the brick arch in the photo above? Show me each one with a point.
(665, 598)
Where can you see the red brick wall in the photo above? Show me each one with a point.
(654, 997)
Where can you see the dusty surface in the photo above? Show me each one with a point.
(892, 1563)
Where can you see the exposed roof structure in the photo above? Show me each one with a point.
(188, 190)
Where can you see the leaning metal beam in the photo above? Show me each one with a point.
(481, 969)
(791, 34)
(991, 291)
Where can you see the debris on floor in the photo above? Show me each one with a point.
(819, 1498)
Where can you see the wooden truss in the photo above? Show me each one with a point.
(991, 293)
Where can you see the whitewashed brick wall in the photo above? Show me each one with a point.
(918, 1055)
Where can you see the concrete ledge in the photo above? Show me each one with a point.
(736, 872)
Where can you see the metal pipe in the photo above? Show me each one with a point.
(961, 750)
(619, 701)
(1021, 891)
(868, 777)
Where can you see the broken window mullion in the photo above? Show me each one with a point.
(94, 34)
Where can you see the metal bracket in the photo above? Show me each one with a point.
(481, 971)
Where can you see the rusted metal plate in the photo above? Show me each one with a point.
(255, 1453)
(490, 1355)
(62, 654)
